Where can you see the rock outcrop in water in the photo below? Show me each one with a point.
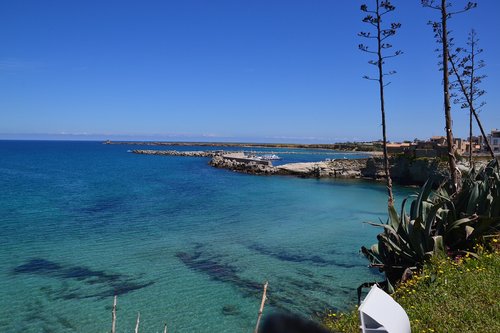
(248, 166)
(344, 168)
(331, 169)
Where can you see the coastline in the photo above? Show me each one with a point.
(343, 147)
(404, 171)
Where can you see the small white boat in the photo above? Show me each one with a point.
(270, 157)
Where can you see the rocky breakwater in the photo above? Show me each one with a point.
(343, 168)
(328, 169)
(238, 162)
(208, 153)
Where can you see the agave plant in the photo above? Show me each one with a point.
(474, 212)
(438, 223)
(407, 239)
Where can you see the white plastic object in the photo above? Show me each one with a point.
(379, 313)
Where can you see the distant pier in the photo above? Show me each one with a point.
(197, 153)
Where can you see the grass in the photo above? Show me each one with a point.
(461, 295)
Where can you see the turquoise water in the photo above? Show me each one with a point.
(177, 240)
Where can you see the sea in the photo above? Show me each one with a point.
(176, 240)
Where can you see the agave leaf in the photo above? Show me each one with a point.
(375, 224)
(427, 208)
(390, 287)
(468, 231)
(425, 191)
(472, 254)
(495, 207)
(493, 164)
(403, 204)
(431, 217)
(404, 222)
(473, 197)
(439, 249)
(485, 225)
(398, 250)
(393, 218)
(373, 255)
(386, 227)
(458, 223)
(416, 239)
(485, 197)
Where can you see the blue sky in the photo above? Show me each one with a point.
(259, 70)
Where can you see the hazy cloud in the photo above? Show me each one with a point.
(17, 65)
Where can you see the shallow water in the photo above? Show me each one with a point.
(177, 240)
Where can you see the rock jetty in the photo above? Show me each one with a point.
(240, 164)
(200, 153)
(332, 169)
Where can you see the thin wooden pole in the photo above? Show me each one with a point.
(261, 307)
(113, 316)
(137, 322)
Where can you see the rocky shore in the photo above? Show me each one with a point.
(403, 170)
(334, 169)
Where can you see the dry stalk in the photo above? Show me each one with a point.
(261, 307)
(113, 316)
(137, 322)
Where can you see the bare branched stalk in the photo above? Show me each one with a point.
(137, 322)
(468, 98)
(471, 105)
(374, 18)
(441, 30)
(390, 200)
(470, 136)
(113, 316)
(468, 84)
(261, 309)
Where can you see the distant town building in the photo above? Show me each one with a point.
(439, 140)
(461, 146)
(477, 144)
(494, 140)
(397, 148)
(436, 146)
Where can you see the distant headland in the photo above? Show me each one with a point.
(347, 146)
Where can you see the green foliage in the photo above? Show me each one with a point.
(458, 295)
(473, 212)
(438, 223)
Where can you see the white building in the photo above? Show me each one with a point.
(494, 140)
